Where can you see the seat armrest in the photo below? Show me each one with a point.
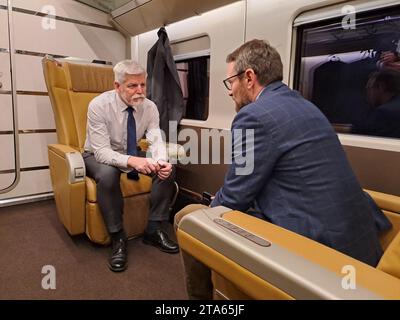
(61, 149)
(74, 161)
(67, 172)
(295, 265)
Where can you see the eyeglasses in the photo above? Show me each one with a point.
(228, 84)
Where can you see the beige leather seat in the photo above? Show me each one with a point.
(71, 87)
(292, 267)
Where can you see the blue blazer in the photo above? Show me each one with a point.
(301, 179)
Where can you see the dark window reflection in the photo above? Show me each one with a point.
(352, 75)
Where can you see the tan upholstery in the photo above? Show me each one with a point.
(71, 87)
(232, 280)
(390, 261)
(390, 205)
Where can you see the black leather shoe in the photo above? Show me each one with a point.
(118, 260)
(160, 240)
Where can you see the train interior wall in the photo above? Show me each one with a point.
(57, 27)
(374, 160)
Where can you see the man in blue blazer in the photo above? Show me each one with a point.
(300, 179)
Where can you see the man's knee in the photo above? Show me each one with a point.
(108, 176)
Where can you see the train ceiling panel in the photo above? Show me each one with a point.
(139, 16)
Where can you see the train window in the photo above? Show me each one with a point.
(193, 74)
(192, 58)
(352, 72)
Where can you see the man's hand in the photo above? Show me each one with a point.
(165, 169)
(143, 165)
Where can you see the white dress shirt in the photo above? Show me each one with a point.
(106, 131)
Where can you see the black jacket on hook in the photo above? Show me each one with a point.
(163, 86)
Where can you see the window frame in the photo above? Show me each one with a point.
(299, 24)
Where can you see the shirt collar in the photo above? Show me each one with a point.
(259, 94)
(271, 87)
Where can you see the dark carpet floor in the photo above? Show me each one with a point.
(31, 237)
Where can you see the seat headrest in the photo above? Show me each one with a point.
(89, 78)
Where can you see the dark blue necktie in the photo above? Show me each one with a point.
(131, 143)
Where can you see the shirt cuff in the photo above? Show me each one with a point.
(121, 161)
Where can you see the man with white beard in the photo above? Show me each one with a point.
(117, 120)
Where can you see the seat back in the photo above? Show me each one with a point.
(71, 87)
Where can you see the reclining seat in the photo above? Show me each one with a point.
(71, 87)
(253, 259)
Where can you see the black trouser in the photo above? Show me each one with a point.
(109, 195)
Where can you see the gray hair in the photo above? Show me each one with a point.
(125, 67)
(260, 56)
